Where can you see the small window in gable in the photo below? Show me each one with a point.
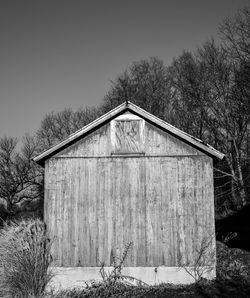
(127, 135)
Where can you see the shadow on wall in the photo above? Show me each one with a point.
(239, 227)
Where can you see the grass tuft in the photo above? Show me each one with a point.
(25, 259)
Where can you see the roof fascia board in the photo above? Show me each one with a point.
(81, 131)
(175, 131)
(137, 110)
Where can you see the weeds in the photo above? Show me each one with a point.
(25, 258)
(208, 289)
(203, 262)
(115, 275)
(114, 280)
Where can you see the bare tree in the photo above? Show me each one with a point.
(146, 84)
(235, 32)
(57, 126)
(227, 117)
(20, 178)
(208, 103)
(189, 94)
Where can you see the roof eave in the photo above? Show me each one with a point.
(89, 127)
(181, 134)
(40, 159)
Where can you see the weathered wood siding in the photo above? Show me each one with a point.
(95, 144)
(154, 141)
(159, 142)
(94, 206)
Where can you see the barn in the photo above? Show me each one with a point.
(129, 177)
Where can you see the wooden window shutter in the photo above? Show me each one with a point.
(127, 134)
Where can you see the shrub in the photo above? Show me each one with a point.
(25, 258)
(203, 260)
(229, 266)
(201, 289)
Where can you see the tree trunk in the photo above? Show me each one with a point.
(234, 184)
(242, 192)
(10, 207)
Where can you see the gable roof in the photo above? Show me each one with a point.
(125, 107)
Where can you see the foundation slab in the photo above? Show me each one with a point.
(73, 277)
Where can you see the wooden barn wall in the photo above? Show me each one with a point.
(95, 144)
(154, 142)
(159, 142)
(95, 206)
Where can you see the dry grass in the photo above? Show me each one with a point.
(25, 259)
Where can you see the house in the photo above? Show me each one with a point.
(130, 177)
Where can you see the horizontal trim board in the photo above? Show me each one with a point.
(140, 155)
(128, 154)
(72, 277)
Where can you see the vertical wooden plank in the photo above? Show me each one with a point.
(58, 218)
(81, 207)
(140, 227)
(114, 195)
(75, 215)
(149, 217)
(107, 223)
(84, 209)
(134, 200)
(118, 219)
(165, 211)
(50, 205)
(156, 168)
(95, 225)
(68, 223)
(179, 209)
(101, 211)
(92, 194)
(63, 193)
(153, 198)
(122, 189)
(190, 211)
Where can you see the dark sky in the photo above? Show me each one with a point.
(56, 54)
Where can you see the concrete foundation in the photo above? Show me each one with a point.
(72, 277)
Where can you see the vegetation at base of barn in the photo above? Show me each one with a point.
(25, 256)
(114, 281)
(202, 289)
(115, 275)
(232, 263)
(204, 260)
(25, 259)
(232, 281)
